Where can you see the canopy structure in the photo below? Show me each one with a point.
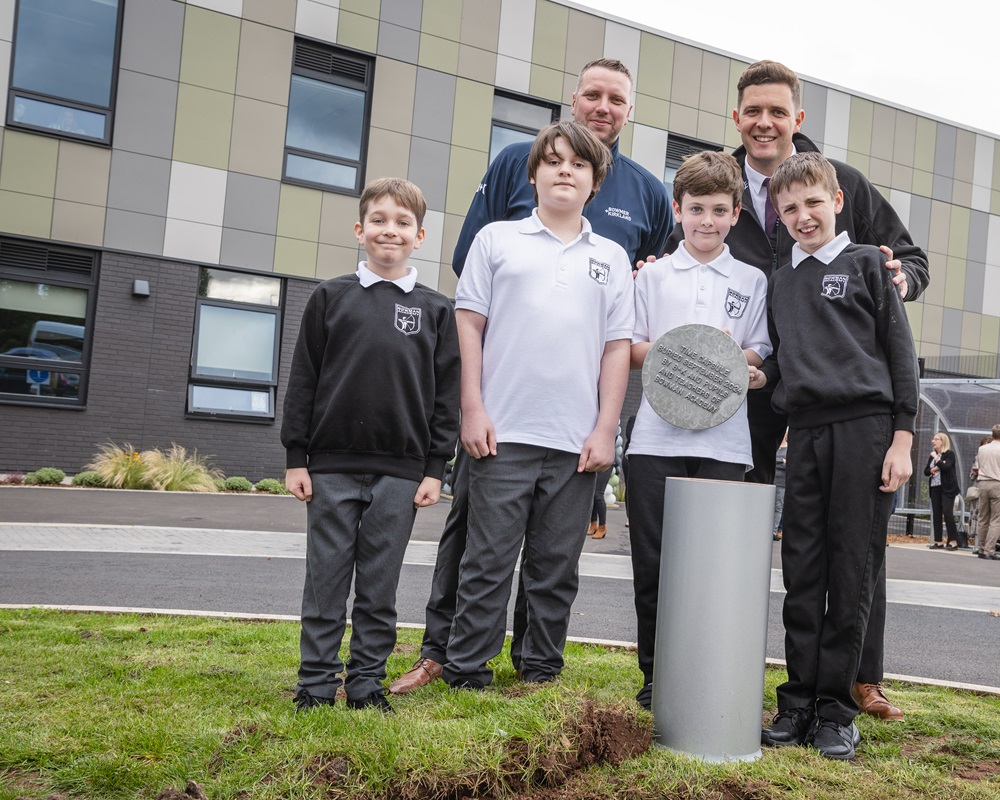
(966, 410)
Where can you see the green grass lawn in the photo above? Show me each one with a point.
(123, 706)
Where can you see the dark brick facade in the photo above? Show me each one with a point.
(139, 367)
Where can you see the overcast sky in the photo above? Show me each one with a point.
(934, 58)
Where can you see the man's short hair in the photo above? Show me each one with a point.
(996, 431)
(406, 194)
(709, 172)
(807, 169)
(763, 72)
(581, 140)
(612, 64)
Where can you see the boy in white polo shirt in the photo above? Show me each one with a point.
(545, 314)
(700, 283)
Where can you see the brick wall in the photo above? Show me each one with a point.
(140, 360)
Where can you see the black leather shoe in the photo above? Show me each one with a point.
(788, 728)
(376, 700)
(304, 701)
(834, 740)
(644, 697)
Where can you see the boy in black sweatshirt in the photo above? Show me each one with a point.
(845, 358)
(370, 418)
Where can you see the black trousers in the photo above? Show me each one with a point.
(942, 506)
(832, 553)
(647, 477)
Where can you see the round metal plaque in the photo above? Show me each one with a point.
(695, 377)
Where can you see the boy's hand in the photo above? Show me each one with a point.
(897, 467)
(478, 437)
(298, 482)
(758, 380)
(428, 493)
(598, 453)
(899, 279)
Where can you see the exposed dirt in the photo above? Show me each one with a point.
(596, 736)
(191, 792)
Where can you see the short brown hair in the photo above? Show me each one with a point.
(807, 169)
(709, 172)
(612, 64)
(581, 140)
(407, 194)
(996, 431)
(763, 72)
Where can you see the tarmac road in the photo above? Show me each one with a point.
(244, 555)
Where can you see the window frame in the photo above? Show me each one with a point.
(366, 86)
(678, 148)
(108, 112)
(53, 276)
(197, 379)
(555, 108)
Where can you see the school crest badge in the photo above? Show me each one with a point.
(736, 303)
(599, 272)
(834, 286)
(407, 320)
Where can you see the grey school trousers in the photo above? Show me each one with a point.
(531, 495)
(358, 525)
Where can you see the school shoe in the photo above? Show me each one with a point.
(304, 701)
(871, 699)
(790, 727)
(834, 740)
(470, 684)
(376, 700)
(644, 697)
(420, 674)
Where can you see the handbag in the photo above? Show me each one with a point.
(972, 494)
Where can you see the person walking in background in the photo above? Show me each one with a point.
(599, 516)
(989, 497)
(972, 496)
(944, 489)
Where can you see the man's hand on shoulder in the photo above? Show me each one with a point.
(640, 264)
(899, 279)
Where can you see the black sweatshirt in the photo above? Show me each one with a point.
(374, 383)
(842, 341)
(867, 218)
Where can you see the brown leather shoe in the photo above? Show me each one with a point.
(592, 529)
(601, 532)
(872, 700)
(422, 673)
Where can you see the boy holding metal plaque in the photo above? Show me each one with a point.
(847, 367)
(700, 283)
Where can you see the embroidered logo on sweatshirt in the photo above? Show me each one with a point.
(621, 213)
(736, 303)
(599, 271)
(834, 286)
(407, 319)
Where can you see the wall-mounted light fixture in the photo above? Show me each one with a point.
(140, 288)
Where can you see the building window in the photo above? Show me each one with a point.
(679, 148)
(46, 316)
(64, 66)
(329, 106)
(234, 357)
(518, 119)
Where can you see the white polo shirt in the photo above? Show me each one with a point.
(724, 293)
(550, 309)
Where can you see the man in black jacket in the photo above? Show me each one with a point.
(768, 116)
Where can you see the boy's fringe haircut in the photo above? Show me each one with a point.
(581, 141)
(406, 194)
(807, 169)
(709, 172)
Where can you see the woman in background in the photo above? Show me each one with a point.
(944, 489)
